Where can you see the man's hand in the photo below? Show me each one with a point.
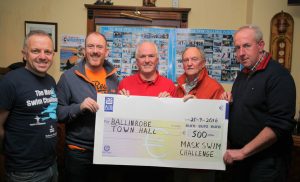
(164, 94)
(124, 92)
(226, 96)
(89, 104)
(188, 96)
(233, 155)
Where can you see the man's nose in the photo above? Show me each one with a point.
(94, 49)
(147, 58)
(241, 51)
(42, 55)
(189, 62)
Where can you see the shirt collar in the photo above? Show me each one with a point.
(152, 82)
(260, 65)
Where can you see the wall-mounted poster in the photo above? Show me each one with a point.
(218, 48)
(71, 50)
(217, 45)
(122, 42)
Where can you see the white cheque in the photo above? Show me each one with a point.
(165, 132)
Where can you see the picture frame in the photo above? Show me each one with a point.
(48, 27)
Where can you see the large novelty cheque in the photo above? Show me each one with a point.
(166, 132)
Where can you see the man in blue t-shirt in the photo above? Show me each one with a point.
(28, 118)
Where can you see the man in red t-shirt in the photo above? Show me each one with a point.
(148, 81)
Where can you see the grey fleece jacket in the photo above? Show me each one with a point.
(72, 88)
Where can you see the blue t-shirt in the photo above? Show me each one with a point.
(31, 127)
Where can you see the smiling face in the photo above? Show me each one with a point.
(147, 59)
(38, 54)
(247, 49)
(193, 62)
(95, 51)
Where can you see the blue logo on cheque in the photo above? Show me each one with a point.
(106, 148)
(109, 104)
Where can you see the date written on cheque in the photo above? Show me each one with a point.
(202, 120)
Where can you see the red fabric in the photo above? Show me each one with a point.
(206, 88)
(261, 66)
(137, 86)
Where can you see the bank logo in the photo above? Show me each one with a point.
(106, 148)
(109, 104)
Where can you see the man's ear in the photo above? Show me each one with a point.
(84, 51)
(24, 54)
(204, 63)
(107, 52)
(261, 45)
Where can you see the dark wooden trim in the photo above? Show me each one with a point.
(98, 15)
(139, 8)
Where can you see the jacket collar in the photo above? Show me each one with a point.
(80, 69)
(182, 79)
(261, 66)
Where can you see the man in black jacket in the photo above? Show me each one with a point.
(261, 112)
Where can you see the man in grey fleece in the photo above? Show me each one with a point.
(77, 94)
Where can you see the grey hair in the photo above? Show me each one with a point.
(258, 33)
(202, 54)
(36, 32)
(137, 50)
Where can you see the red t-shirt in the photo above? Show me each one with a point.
(137, 86)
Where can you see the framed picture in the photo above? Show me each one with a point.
(49, 27)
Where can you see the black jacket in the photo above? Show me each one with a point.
(265, 98)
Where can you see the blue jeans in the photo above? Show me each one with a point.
(80, 168)
(48, 175)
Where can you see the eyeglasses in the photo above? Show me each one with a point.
(193, 60)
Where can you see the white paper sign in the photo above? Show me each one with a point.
(165, 132)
